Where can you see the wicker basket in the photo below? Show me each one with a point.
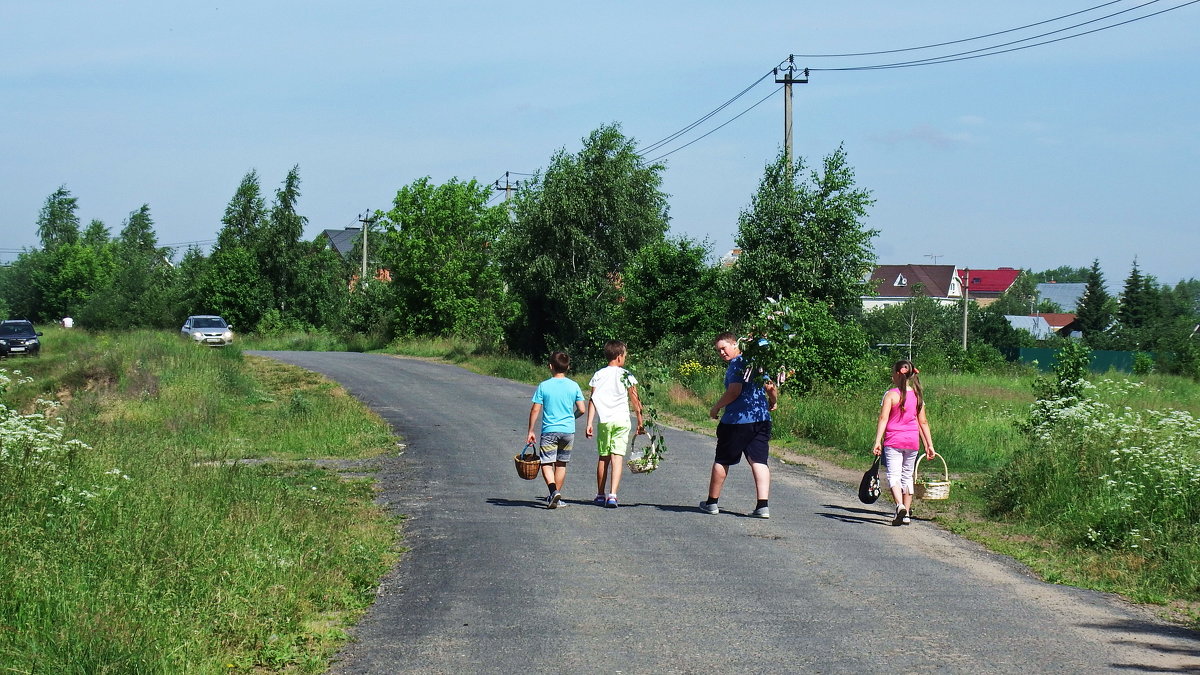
(932, 489)
(527, 463)
(633, 457)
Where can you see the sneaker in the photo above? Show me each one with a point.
(598, 500)
(906, 520)
(710, 509)
(764, 512)
(553, 499)
(901, 515)
(611, 502)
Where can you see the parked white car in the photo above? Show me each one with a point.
(208, 329)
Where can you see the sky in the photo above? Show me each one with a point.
(1086, 148)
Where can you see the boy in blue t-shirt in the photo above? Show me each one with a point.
(558, 401)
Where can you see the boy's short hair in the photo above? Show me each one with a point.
(560, 362)
(725, 337)
(613, 349)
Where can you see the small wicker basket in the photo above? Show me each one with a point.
(932, 489)
(636, 457)
(527, 463)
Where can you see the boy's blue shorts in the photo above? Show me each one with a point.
(555, 447)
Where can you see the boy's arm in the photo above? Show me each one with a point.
(772, 394)
(534, 411)
(591, 413)
(732, 391)
(636, 402)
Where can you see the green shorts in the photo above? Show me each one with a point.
(612, 438)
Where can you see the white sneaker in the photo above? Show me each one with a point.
(901, 515)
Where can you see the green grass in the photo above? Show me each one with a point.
(195, 562)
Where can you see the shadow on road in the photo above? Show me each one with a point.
(1159, 630)
(867, 517)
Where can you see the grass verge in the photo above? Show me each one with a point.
(150, 548)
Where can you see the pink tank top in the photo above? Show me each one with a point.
(901, 431)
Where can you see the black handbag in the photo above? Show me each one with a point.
(868, 487)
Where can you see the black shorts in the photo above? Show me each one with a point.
(751, 440)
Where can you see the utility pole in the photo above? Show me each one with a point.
(507, 187)
(787, 81)
(966, 292)
(366, 223)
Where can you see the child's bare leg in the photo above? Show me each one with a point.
(602, 468)
(617, 463)
(717, 480)
(762, 479)
(548, 474)
(560, 474)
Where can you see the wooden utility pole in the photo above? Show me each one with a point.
(507, 187)
(366, 223)
(789, 78)
(966, 292)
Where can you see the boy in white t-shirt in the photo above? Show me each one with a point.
(613, 389)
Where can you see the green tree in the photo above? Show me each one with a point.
(1095, 311)
(58, 224)
(670, 297)
(244, 214)
(805, 238)
(437, 243)
(1021, 298)
(577, 226)
(277, 244)
(919, 328)
(1064, 274)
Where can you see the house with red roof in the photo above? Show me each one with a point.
(985, 286)
(895, 284)
(1062, 323)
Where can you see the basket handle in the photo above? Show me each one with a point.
(945, 469)
(524, 452)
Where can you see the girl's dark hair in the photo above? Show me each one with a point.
(910, 380)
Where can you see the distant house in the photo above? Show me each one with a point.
(986, 286)
(730, 259)
(1062, 323)
(1036, 326)
(895, 284)
(342, 241)
(1066, 296)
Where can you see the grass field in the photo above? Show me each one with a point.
(135, 541)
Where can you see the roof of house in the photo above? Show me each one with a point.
(1066, 296)
(989, 281)
(1057, 320)
(342, 241)
(937, 281)
(1035, 325)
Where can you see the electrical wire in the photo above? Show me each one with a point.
(974, 53)
(760, 101)
(660, 143)
(955, 42)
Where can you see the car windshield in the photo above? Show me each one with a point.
(16, 329)
(208, 322)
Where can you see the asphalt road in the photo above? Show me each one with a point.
(494, 582)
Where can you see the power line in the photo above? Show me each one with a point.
(658, 144)
(973, 54)
(760, 101)
(955, 42)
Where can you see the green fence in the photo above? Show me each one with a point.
(1102, 360)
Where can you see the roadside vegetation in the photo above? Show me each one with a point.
(161, 512)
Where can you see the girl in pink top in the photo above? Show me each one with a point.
(901, 429)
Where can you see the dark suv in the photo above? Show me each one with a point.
(17, 336)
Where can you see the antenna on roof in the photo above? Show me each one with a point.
(934, 257)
